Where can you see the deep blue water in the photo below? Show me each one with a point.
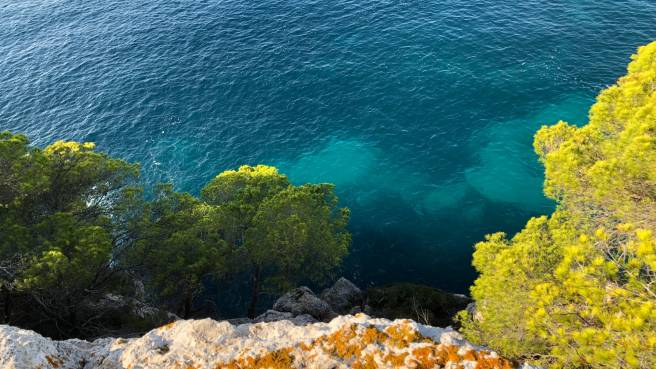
(422, 112)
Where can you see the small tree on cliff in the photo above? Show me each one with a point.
(176, 246)
(56, 232)
(281, 232)
(297, 234)
(578, 289)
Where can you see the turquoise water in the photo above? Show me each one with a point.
(421, 112)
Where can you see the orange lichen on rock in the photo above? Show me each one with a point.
(53, 361)
(357, 342)
(279, 359)
(366, 361)
(401, 335)
(360, 346)
(489, 362)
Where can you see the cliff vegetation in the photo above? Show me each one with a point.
(577, 289)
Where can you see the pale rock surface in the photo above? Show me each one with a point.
(345, 342)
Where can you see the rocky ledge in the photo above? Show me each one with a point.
(345, 342)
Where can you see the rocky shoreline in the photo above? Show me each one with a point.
(302, 330)
(398, 301)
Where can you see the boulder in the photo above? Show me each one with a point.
(302, 300)
(424, 304)
(274, 316)
(239, 321)
(343, 297)
(355, 310)
(210, 344)
(473, 312)
(124, 314)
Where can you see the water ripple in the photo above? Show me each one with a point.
(421, 112)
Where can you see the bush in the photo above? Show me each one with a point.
(578, 289)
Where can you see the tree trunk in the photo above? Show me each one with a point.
(72, 321)
(6, 305)
(255, 291)
(186, 309)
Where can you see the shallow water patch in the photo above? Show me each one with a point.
(508, 169)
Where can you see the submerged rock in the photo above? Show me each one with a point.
(345, 342)
(302, 300)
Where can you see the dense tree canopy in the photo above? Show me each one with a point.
(56, 233)
(177, 246)
(280, 233)
(239, 194)
(76, 226)
(299, 232)
(578, 289)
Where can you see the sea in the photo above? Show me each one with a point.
(421, 112)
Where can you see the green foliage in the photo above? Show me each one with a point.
(278, 232)
(56, 232)
(509, 271)
(239, 194)
(299, 234)
(23, 172)
(55, 207)
(577, 290)
(76, 225)
(69, 255)
(179, 246)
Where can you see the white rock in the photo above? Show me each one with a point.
(204, 344)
